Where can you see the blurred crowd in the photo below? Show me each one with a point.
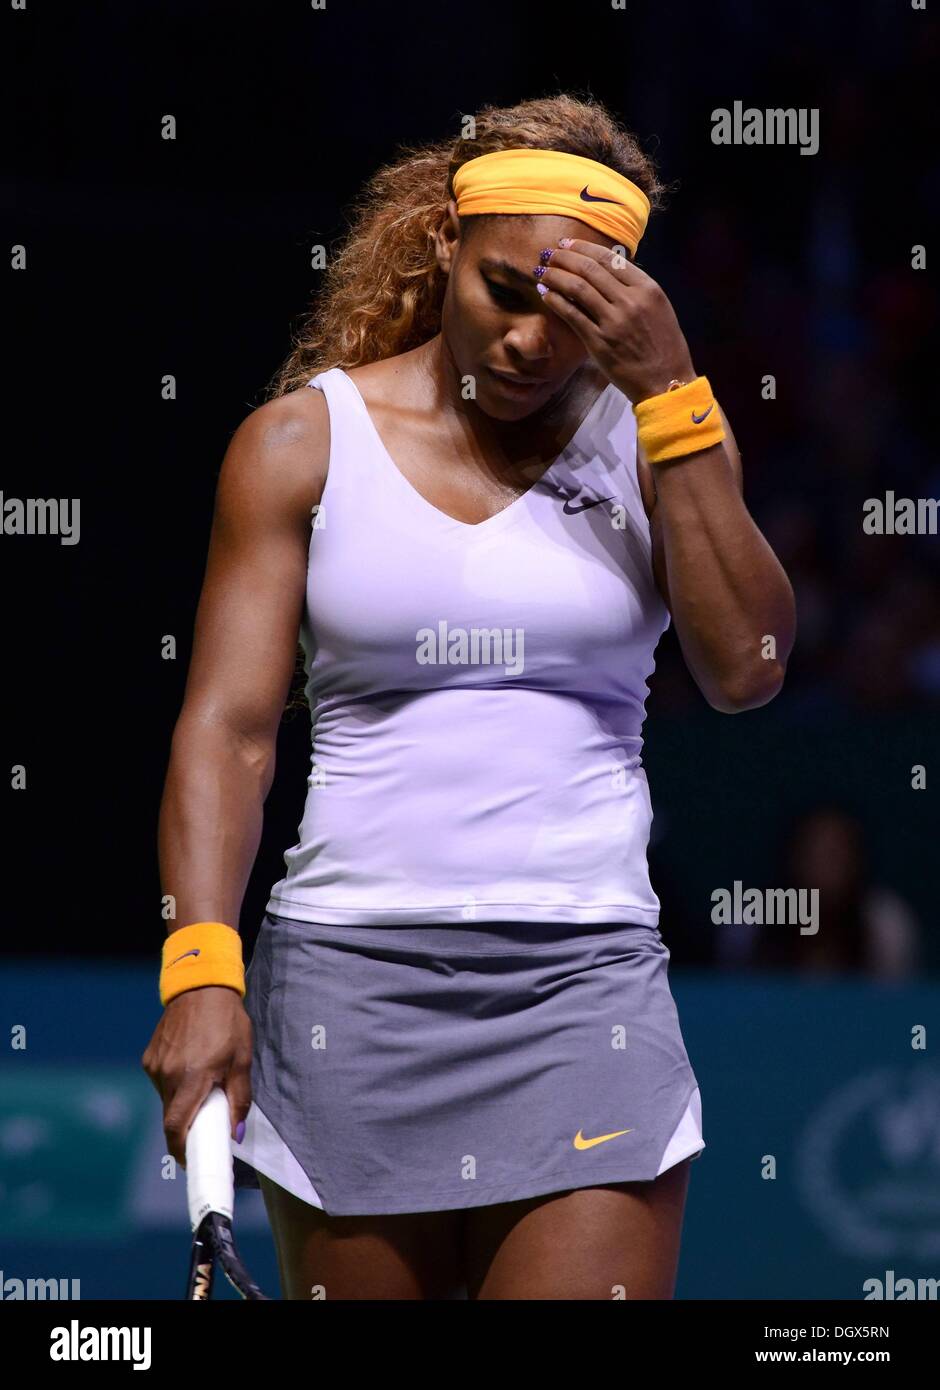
(800, 269)
(857, 926)
(800, 288)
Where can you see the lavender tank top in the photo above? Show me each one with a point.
(476, 691)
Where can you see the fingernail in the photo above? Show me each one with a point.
(542, 289)
(564, 241)
(539, 271)
(545, 254)
(239, 1131)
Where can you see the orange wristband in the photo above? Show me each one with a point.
(204, 953)
(682, 421)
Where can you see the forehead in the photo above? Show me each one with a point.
(517, 238)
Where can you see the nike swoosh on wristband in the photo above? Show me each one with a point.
(194, 952)
(593, 502)
(587, 197)
(580, 1142)
(697, 419)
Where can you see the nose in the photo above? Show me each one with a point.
(530, 339)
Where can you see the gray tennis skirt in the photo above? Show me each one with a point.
(416, 1068)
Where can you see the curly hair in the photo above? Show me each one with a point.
(383, 289)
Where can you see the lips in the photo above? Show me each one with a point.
(518, 381)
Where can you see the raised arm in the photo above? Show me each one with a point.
(730, 600)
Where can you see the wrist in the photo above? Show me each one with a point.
(663, 382)
(685, 420)
(207, 990)
(202, 953)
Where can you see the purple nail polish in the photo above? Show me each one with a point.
(539, 271)
(546, 254)
(239, 1131)
(542, 289)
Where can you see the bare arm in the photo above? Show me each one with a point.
(724, 586)
(731, 602)
(223, 748)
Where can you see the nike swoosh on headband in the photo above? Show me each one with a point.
(587, 197)
(592, 502)
(697, 419)
(194, 952)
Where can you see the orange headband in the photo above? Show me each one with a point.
(549, 181)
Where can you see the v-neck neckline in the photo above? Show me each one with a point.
(488, 524)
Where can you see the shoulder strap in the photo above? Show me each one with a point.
(352, 467)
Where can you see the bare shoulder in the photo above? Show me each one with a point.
(392, 382)
(279, 455)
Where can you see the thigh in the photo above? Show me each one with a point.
(411, 1256)
(618, 1241)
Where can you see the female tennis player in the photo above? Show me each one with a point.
(458, 1066)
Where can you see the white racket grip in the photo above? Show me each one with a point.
(210, 1180)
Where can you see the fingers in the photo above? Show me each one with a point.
(585, 275)
(238, 1091)
(615, 260)
(580, 289)
(200, 1043)
(187, 1095)
(150, 1062)
(572, 314)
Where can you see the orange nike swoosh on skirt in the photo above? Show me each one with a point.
(580, 1142)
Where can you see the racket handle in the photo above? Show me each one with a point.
(210, 1180)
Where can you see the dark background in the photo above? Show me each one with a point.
(191, 257)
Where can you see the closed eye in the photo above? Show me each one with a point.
(509, 299)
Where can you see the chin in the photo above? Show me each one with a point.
(507, 410)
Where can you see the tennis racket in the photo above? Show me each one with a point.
(210, 1194)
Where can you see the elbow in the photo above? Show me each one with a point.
(748, 688)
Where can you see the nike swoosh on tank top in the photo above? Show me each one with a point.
(477, 692)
